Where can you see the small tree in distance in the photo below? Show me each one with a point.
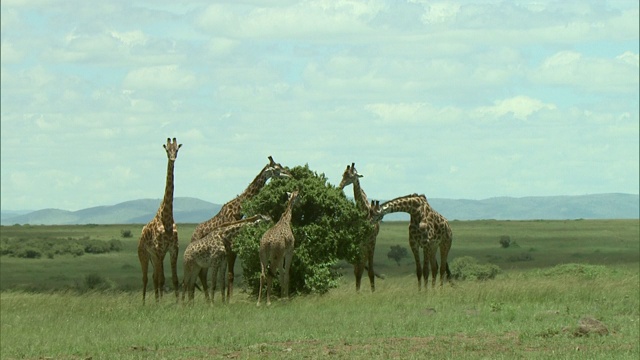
(505, 241)
(397, 253)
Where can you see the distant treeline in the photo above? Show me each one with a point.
(37, 248)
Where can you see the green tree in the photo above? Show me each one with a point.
(397, 253)
(326, 225)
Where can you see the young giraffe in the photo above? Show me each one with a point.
(161, 235)
(367, 245)
(210, 252)
(232, 211)
(276, 252)
(427, 229)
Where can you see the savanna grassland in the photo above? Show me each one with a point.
(566, 289)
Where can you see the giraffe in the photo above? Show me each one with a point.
(427, 229)
(232, 211)
(367, 245)
(210, 252)
(161, 235)
(276, 251)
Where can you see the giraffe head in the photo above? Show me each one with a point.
(262, 218)
(172, 149)
(292, 196)
(349, 176)
(274, 170)
(375, 212)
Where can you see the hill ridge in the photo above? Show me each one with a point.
(194, 210)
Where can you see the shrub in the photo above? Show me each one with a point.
(326, 225)
(397, 253)
(126, 233)
(467, 267)
(115, 245)
(95, 246)
(28, 252)
(521, 257)
(95, 281)
(505, 241)
(584, 270)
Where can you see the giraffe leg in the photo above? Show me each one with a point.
(425, 266)
(173, 258)
(202, 275)
(223, 280)
(416, 257)
(214, 280)
(434, 266)
(231, 261)
(444, 263)
(144, 263)
(269, 284)
(158, 278)
(188, 281)
(358, 269)
(371, 273)
(287, 267)
(262, 281)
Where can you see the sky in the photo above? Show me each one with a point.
(453, 99)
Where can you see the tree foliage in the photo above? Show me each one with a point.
(326, 225)
(397, 253)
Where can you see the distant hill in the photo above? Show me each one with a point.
(185, 210)
(191, 210)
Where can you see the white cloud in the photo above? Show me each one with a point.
(424, 90)
(520, 107)
(630, 58)
(130, 38)
(439, 12)
(165, 77)
(572, 69)
(308, 19)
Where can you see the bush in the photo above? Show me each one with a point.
(95, 246)
(115, 245)
(126, 233)
(467, 267)
(397, 253)
(505, 241)
(584, 270)
(326, 225)
(521, 257)
(29, 252)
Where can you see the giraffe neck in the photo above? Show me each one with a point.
(286, 216)
(413, 205)
(232, 210)
(360, 196)
(254, 188)
(166, 209)
(230, 229)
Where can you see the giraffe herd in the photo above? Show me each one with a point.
(212, 240)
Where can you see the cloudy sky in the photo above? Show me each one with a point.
(453, 99)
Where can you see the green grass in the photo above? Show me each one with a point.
(531, 310)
